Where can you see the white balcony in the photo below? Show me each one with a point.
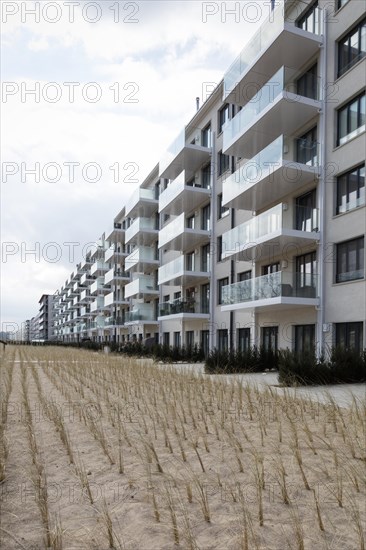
(97, 305)
(99, 268)
(141, 314)
(276, 43)
(86, 279)
(116, 276)
(117, 234)
(98, 323)
(183, 156)
(278, 170)
(142, 231)
(179, 197)
(277, 106)
(85, 296)
(143, 202)
(181, 271)
(97, 286)
(114, 254)
(113, 299)
(269, 234)
(142, 259)
(179, 236)
(143, 285)
(280, 290)
(180, 309)
(85, 311)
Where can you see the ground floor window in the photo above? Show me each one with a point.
(205, 342)
(177, 339)
(270, 338)
(304, 338)
(166, 338)
(223, 339)
(243, 339)
(350, 335)
(189, 339)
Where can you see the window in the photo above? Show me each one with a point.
(166, 338)
(206, 136)
(222, 211)
(350, 260)
(351, 119)
(306, 212)
(219, 248)
(306, 275)
(244, 276)
(351, 190)
(205, 257)
(224, 162)
(243, 335)
(307, 148)
(177, 295)
(352, 48)
(223, 339)
(309, 21)
(350, 335)
(224, 116)
(206, 176)
(221, 283)
(189, 339)
(190, 222)
(270, 268)
(190, 261)
(307, 84)
(270, 338)
(177, 339)
(205, 217)
(304, 338)
(205, 298)
(205, 341)
(341, 3)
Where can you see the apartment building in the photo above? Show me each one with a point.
(251, 228)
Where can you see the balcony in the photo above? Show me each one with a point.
(278, 170)
(114, 321)
(97, 286)
(114, 254)
(85, 296)
(271, 233)
(113, 299)
(143, 231)
(143, 202)
(277, 107)
(180, 156)
(179, 236)
(181, 272)
(180, 309)
(144, 285)
(99, 268)
(97, 324)
(85, 311)
(276, 43)
(143, 313)
(97, 305)
(179, 197)
(86, 279)
(280, 290)
(114, 276)
(142, 259)
(117, 234)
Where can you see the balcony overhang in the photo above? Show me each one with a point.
(184, 278)
(285, 115)
(143, 237)
(190, 159)
(281, 181)
(292, 47)
(187, 199)
(189, 238)
(185, 316)
(273, 245)
(278, 303)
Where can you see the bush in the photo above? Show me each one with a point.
(343, 366)
(232, 362)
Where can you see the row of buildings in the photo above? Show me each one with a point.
(251, 228)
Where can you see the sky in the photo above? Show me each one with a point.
(92, 95)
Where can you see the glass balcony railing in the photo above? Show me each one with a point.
(177, 267)
(280, 82)
(266, 34)
(139, 196)
(144, 284)
(275, 285)
(97, 304)
(139, 225)
(114, 321)
(181, 306)
(264, 225)
(141, 255)
(98, 266)
(173, 150)
(115, 274)
(140, 314)
(97, 285)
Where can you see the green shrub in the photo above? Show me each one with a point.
(233, 361)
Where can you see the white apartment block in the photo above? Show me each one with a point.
(251, 229)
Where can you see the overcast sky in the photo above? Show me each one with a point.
(114, 92)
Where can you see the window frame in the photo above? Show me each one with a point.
(358, 170)
(223, 163)
(357, 29)
(224, 281)
(300, 345)
(309, 13)
(223, 117)
(222, 211)
(360, 260)
(346, 328)
(342, 140)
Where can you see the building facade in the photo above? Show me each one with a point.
(251, 229)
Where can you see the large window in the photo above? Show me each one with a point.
(307, 148)
(206, 136)
(352, 48)
(177, 339)
(222, 211)
(270, 268)
(220, 285)
(351, 190)
(219, 248)
(309, 21)
(350, 260)
(204, 341)
(223, 162)
(270, 338)
(351, 119)
(350, 335)
(243, 336)
(306, 212)
(205, 298)
(223, 339)
(244, 276)
(206, 176)
(307, 84)
(205, 217)
(205, 257)
(304, 338)
(224, 116)
(189, 339)
(306, 275)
